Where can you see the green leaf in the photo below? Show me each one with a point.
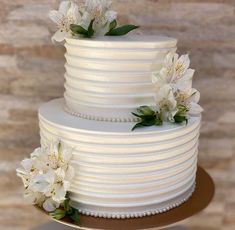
(123, 30)
(66, 204)
(144, 117)
(138, 125)
(144, 123)
(91, 31)
(137, 115)
(182, 110)
(69, 210)
(113, 25)
(158, 121)
(180, 119)
(181, 115)
(146, 110)
(76, 29)
(58, 214)
(75, 217)
(59, 147)
(150, 122)
(151, 118)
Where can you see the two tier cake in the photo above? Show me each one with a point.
(120, 173)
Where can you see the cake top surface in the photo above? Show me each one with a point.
(53, 112)
(140, 41)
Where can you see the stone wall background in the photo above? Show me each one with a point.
(31, 73)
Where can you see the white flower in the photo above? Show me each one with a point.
(194, 107)
(47, 175)
(166, 102)
(176, 77)
(31, 167)
(50, 205)
(58, 192)
(67, 14)
(70, 173)
(190, 99)
(100, 11)
(59, 154)
(43, 182)
(34, 197)
(175, 71)
(97, 5)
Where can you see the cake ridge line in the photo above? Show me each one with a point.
(120, 215)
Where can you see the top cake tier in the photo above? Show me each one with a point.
(107, 78)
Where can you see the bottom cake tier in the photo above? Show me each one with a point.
(122, 173)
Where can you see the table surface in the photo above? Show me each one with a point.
(200, 199)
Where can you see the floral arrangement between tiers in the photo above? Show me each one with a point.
(94, 18)
(47, 176)
(174, 96)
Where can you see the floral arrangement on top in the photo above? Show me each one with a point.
(94, 18)
(47, 176)
(175, 98)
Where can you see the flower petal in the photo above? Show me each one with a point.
(43, 182)
(60, 194)
(185, 83)
(184, 61)
(110, 15)
(66, 185)
(101, 30)
(34, 197)
(60, 173)
(27, 164)
(70, 173)
(86, 20)
(73, 14)
(55, 16)
(165, 99)
(64, 7)
(59, 36)
(158, 80)
(50, 205)
(195, 96)
(195, 109)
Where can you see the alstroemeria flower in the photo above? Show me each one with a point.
(31, 167)
(43, 182)
(193, 100)
(100, 11)
(166, 102)
(67, 14)
(59, 155)
(190, 99)
(175, 71)
(47, 175)
(50, 205)
(34, 197)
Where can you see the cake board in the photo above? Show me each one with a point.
(200, 199)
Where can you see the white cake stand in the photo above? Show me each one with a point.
(200, 199)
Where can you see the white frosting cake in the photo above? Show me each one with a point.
(108, 78)
(120, 173)
(123, 142)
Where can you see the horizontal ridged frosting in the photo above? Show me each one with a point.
(110, 77)
(120, 172)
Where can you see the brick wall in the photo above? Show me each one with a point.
(31, 68)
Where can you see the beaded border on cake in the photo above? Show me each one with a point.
(140, 214)
(94, 118)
